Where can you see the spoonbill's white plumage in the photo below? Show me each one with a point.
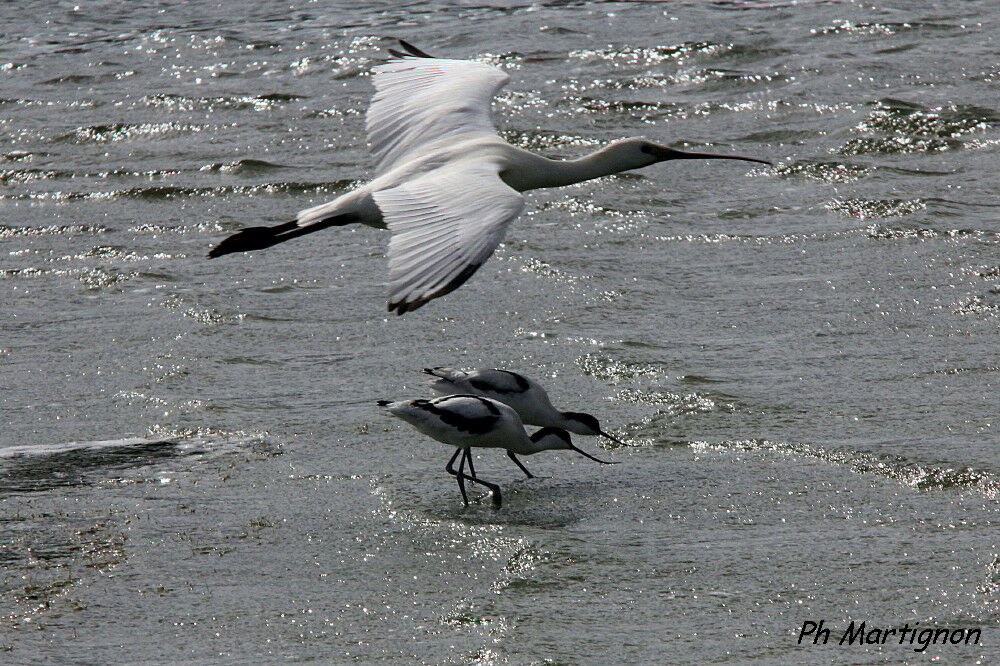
(524, 395)
(446, 186)
(466, 421)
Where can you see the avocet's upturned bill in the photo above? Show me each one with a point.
(446, 186)
(524, 395)
(466, 421)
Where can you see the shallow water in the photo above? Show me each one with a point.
(802, 359)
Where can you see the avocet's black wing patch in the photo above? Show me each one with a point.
(500, 381)
(467, 413)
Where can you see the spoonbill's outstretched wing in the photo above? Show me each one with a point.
(421, 100)
(444, 225)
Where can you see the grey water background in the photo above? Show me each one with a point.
(802, 360)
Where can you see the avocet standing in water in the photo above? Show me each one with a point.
(524, 395)
(466, 421)
(446, 186)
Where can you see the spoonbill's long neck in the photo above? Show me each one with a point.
(557, 173)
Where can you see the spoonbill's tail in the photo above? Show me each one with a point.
(258, 238)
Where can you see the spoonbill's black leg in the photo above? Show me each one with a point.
(510, 454)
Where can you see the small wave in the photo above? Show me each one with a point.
(67, 447)
(781, 136)
(892, 233)
(149, 174)
(727, 79)
(203, 315)
(864, 209)
(899, 116)
(71, 78)
(897, 144)
(914, 128)
(824, 171)
(52, 229)
(708, 238)
(91, 278)
(639, 109)
(604, 367)
(22, 176)
(650, 55)
(977, 305)
(165, 192)
(44, 467)
(243, 166)
(881, 29)
(540, 140)
(915, 172)
(18, 155)
(547, 270)
(332, 112)
(988, 272)
(575, 206)
(175, 102)
(197, 227)
(916, 475)
(677, 404)
(127, 131)
(507, 58)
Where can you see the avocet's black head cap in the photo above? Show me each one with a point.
(564, 442)
(586, 424)
(582, 424)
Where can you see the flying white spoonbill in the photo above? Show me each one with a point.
(446, 185)
(524, 395)
(465, 421)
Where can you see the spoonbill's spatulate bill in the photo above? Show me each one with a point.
(446, 186)
(466, 421)
(524, 395)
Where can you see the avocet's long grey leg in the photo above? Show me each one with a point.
(510, 454)
(472, 468)
(450, 466)
(460, 474)
(494, 488)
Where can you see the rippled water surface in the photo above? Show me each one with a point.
(802, 360)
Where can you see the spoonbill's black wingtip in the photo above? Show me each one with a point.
(383, 403)
(413, 50)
